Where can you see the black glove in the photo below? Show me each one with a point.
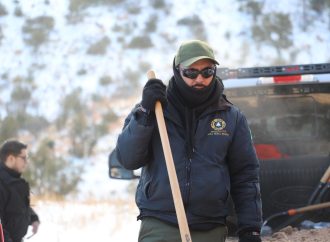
(153, 91)
(250, 237)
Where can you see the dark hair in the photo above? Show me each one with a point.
(11, 147)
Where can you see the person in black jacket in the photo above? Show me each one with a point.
(15, 210)
(212, 150)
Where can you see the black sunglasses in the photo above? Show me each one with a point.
(193, 73)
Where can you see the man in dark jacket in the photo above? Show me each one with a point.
(15, 211)
(212, 150)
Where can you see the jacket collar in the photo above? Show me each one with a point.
(170, 112)
(10, 172)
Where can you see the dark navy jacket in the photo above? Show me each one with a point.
(223, 162)
(15, 211)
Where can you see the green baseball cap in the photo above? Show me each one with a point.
(192, 51)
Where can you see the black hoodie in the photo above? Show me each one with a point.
(16, 213)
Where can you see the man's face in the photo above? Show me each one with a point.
(199, 82)
(19, 162)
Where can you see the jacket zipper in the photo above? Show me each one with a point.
(187, 184)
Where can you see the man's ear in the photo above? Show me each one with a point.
(10, 161)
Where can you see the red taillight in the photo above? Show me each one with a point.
(286, 79)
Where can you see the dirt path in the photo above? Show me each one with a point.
(290, 234)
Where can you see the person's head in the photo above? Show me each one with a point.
(13, 154)
(196, 63)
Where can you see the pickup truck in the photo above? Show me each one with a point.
(288, 111)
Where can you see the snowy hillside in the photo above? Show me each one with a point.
(75, 43)
(66, 59)
(134, 37)
(63, 44)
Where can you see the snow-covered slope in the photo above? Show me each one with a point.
(64, 61)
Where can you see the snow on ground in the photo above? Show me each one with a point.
(115, 221)
(65, 221)
(103, 210)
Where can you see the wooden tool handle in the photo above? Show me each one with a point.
(178, 204)
(309, 208)
(325, 178)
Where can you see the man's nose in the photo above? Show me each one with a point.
(199, 78)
